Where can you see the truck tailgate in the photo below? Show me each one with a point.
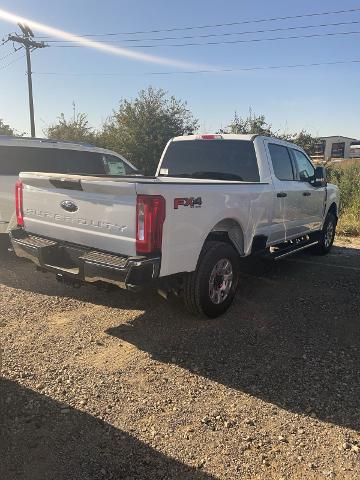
(92, 211)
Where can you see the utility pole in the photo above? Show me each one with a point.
(30, 45)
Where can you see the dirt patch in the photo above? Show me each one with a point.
(346, 242)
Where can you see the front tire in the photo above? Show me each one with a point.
(327, 235)
(210, 290)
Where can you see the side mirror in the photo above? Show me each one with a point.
(320, 177)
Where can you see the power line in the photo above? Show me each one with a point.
(191, 72)
(10, 63)
(3, 41)
(301, 27)
(216, 25)
(226, 42)
(9, 54)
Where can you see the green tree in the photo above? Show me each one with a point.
(139, 129)
(76, 129)
(257, 124)
(6, 129)
(304, 139)
(252, 124)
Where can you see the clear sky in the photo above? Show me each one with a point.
(322, 99)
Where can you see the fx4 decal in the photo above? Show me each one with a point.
(187, 202)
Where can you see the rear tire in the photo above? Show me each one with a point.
(210, 290)
(327, 235)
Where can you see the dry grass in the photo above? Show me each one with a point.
(346, 176)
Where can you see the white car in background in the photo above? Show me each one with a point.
(43, 155)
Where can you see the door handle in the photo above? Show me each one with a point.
(306, 194)
(281, 194)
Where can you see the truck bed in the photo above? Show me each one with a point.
(105, 216)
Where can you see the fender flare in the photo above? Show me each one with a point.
(230, 231)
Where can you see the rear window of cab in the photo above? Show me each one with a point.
(211, 159)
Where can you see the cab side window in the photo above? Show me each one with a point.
(116, 166)
(305, 169)
(281, 161)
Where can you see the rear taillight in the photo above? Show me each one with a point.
(150, 216)
(19, 202)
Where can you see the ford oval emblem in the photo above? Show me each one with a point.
(69, 206)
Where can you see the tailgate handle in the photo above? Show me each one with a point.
(281, 195)
(66, 184)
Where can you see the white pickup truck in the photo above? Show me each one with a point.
(213, 200)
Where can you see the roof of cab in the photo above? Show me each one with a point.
(223, 136)
(232, 136)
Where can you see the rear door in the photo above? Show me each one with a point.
(287, 222)
(313, 198)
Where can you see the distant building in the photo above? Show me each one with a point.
(336, 149)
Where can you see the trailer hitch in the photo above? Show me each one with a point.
(68, 281)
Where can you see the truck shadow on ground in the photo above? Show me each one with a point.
(39, 442)
(292, 337)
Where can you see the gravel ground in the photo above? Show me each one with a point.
(113, 385)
